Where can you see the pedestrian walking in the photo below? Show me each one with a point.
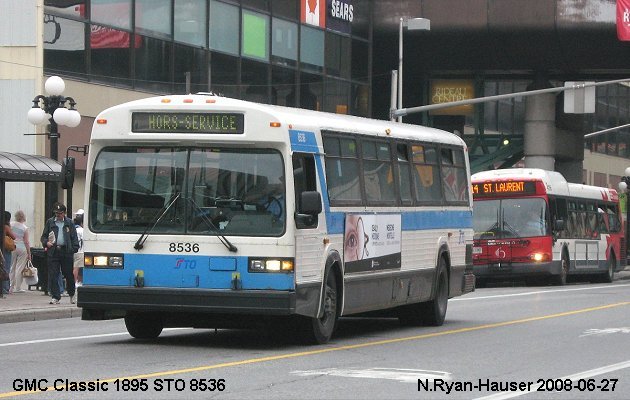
(22, 253)
(6, 253)
(60, 240)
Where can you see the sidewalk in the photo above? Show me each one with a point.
(32, 305)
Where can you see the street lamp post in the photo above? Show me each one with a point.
(624, 186)
(52, 108)
(412, 24)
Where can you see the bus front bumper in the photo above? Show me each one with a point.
(105, 302)
(512, 270)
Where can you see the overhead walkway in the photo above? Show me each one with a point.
(491, 152)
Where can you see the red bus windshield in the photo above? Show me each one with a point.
(510, 218)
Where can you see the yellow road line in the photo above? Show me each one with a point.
(339, 348)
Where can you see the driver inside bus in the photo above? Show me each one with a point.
(534, 224)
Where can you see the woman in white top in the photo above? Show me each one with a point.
(22, 252)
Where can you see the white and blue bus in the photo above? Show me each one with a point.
(209, 212)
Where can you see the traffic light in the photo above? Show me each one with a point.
(67, 173)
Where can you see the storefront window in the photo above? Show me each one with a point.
(75, 8)
(153, 61)
(190, 22)
(360, 58)
(282, 84)
(255, 42)
(254, 80)
(153, 17)
(336, 96)
(311, 92)
(224, 27)
(312, 49)
(285, 8)
(64, 45)
(112, 12)
(110, 55)
(284, 42)
(224, 75)
(192, 60)
(337, 60)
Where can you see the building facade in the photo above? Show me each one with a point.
(328, 55)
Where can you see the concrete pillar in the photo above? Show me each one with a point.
(539, 138)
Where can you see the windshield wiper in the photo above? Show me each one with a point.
(140, 242)
(215, 230)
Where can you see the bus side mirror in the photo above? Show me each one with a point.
(310, 203)
(559, 225)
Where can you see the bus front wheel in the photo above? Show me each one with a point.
(320, 330)
(561, 279)
(143, 325)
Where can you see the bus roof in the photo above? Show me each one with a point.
(554, 182)
(295, 118)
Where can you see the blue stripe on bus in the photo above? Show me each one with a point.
(412, 221)
(303, 141)
(187, 271)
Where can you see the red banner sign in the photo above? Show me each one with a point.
(623, 20)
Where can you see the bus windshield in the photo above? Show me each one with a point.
(226, 191)
(510, 218)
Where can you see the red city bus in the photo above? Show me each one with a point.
(531, 223)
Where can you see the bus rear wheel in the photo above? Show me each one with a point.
(432, 312)
(320, 330)
(143, 325)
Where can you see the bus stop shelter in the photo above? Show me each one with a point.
(17, 167)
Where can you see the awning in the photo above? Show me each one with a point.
(17, 167)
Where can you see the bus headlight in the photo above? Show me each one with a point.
(103, 261)
(270, 265)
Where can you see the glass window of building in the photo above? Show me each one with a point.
(312, 49)
(254, 81)
(64, 45)
(110, 55)
(74, 9)
(282, 84)
(284, 39)
(360, 59)
(115, 13)
(255, 40)
(361, 18)
(360, 100)
(257, 4)
(311, 92)
(224, 27)
(190, 22)
(337, 50)
(193, 61)
(336, 96)
(224, 74)
(285, 8)
(153, 17)
(153, 65)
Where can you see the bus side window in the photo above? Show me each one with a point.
(305, 180)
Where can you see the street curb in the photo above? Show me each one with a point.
(38, 314)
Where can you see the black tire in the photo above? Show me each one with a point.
(320, 330)
(561, 279)
(143, 325)
(432, 312)
(609, 275)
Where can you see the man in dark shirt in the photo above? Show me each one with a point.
(60, 241)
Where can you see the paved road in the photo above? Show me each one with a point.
(504, 336)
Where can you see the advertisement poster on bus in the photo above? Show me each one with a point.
(372, 242)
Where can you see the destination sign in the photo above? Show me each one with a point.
(186, 122)
(503, 188)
